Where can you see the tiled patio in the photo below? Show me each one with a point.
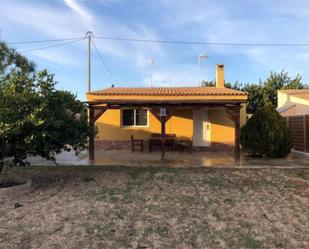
(173, 159)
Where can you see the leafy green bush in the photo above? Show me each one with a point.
(36, 119)
(266, 134)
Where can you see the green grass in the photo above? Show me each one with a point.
(161, 230)
(249, 242)
(215, 181)
(304, 174)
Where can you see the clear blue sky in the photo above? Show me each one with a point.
(244, 21)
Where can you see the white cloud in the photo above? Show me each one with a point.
(179, 75)
(210, 21)
(79, 9)
(58, 22)
(60, 57)
(40, 19)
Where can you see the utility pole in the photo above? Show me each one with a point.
(89, 35)
(201, 57)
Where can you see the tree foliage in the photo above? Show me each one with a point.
(255, 97)
(36, 119)
(264, 93)
(278, 81)
(236, 85)
(12, 63)
(266, 134)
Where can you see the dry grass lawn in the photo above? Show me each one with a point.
(101, 207)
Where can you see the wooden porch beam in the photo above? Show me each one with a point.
(237, 136)
(98, 113)
(234, 114)
(170, 106)
(157, 103)
(91, 137)
(156, 113)
(163, 121)
(231, 112)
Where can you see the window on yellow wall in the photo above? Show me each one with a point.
(128, 117)
(134, 117)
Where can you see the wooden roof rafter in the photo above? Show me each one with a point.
(103, 104)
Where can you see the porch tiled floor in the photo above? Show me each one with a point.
(174, 159)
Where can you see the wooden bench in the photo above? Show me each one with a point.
(137, 143)
(156, 139)
(185, 144)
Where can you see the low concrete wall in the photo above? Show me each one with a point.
(126, 145)
(24, 187)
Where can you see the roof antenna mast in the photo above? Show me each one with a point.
(201, 57)
(150, 62)
(89, 34)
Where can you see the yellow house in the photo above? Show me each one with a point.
(293, 102)
(209, 116)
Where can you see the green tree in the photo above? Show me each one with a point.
(236, 85)
(255, 92)
(255, 97)
(37, 119)
(13, 63)
(264, 93)
(208, 83)
(266, 134)
(278, 81)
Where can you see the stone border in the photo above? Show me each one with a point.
(24, 186)
(300, 152)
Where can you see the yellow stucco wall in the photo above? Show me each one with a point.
(181, 124)
(282, 98)
(222, 127)
(110, 128)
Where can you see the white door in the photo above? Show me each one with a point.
(201, 128)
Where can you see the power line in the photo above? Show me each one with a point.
(205, 43)
(104, 63)
(44, 41)
(169, 42)
(52, 46)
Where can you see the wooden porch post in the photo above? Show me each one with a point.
(163, 121)
(91, 137)
(234, 115)
(305, 133)
(237, 135)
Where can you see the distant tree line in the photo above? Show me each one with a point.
(265, 92)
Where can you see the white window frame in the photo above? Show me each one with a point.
(134, 118)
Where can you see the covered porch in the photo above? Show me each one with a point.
(171, 159)
(163, 110)
(124, 158)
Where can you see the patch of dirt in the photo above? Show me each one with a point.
(97, 207)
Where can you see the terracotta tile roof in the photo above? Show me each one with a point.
(169, 91)
(299, 93)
